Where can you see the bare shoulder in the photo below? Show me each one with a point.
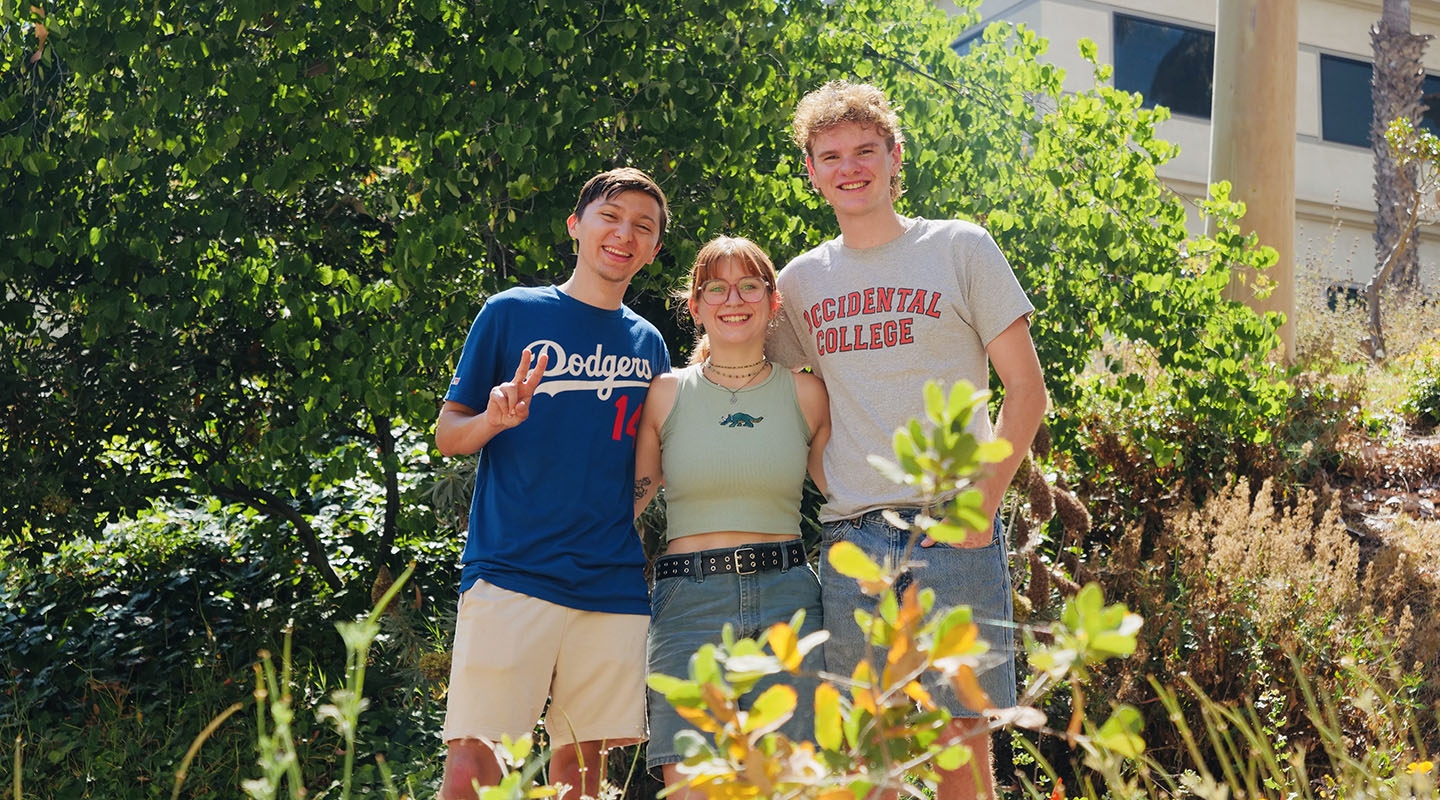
(806, 384)
(814, 399)
(665, 382)
(662, 393)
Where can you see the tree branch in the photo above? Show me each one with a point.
(272, 504)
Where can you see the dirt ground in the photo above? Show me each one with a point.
(1380, 483)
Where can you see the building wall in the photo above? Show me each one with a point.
(1334, 183)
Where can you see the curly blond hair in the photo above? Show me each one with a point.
(839, 102)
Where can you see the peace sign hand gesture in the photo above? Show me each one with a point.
(510, 401)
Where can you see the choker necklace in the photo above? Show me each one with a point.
(713, 365)
(763, 362)
(736, 372)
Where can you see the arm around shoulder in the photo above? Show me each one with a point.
(815, 404)
(782, 343)
(658, 402)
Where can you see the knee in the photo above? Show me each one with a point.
(468, 763)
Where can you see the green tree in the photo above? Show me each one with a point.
(244, 240)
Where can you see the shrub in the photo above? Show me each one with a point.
(1235, 588)
(118, 652)
(1421, 404)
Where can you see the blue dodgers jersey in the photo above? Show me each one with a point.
(552, 514)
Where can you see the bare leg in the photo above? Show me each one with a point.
(673, 777)
(469, 761)
(579, 767)
(975, 779)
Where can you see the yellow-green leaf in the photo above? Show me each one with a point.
(947, 533)
(953, 757)
(957, 641)
(828, 732)
(967, 687)
(849, 560)
(785, 645)
(1121, 733)
(770, 710)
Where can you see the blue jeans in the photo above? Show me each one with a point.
(977, 577)
(689, 611)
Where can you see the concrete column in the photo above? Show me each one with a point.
(1252, 137)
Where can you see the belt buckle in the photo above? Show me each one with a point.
(736, 556)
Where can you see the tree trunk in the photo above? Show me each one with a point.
(270, 503)
(1398, 77)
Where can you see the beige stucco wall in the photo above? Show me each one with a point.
(1334, 192)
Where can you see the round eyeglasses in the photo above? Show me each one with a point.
(716, 292)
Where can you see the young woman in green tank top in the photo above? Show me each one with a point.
(731, 437)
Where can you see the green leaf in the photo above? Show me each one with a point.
(947, 533)
(771, 709)
(953, 757)
(704, 667)
(828, 732)
(994, 451)
(935, 404)
(1121, 732)
(849, 560)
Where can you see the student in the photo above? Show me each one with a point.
(553, 603)
(731, 437)
(892, 303)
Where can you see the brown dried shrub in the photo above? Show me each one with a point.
(1231, 587)
(1398, 464)
(1038, 492)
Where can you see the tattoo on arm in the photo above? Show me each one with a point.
(642, 485)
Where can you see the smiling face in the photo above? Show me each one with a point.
(853, 167)
(614, 238)
(734, 320)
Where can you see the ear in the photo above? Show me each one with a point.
(775, 301)
(810, 169)
(570, 223)
(897, 155)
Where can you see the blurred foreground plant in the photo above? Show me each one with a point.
(276, 741)
(879, 729)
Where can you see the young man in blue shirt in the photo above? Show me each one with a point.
(554, 604)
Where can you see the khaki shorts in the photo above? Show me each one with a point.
(512, 651)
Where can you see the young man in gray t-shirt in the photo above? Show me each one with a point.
(892, 303)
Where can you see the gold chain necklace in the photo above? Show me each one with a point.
(763, 362)
(713, 365)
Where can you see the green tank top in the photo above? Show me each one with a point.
(734, 466)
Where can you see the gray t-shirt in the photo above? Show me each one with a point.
(877, 323)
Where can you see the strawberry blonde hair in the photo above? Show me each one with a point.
(717, 251)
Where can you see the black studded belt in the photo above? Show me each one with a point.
(742, 560)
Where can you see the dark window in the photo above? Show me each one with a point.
(1171, 65)
(963, 45)
(1345, 104)
(1430, 96)
(1347, 107)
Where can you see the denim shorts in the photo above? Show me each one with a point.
(977, 577)
(687, 612)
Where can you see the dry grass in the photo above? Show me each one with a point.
(1333, 340)
(1233, 588)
